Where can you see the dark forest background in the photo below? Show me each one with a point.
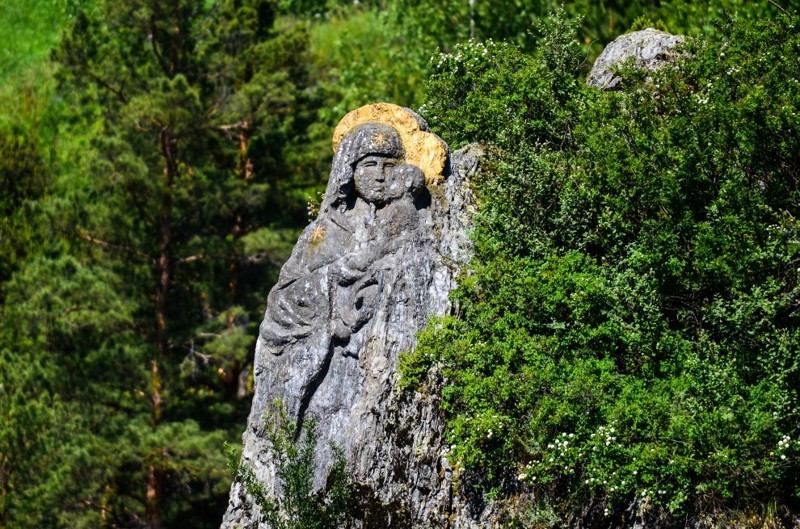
(628, 337)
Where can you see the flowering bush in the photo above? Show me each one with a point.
(627, 346)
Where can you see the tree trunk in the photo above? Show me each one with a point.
(4, 488)
(163, 264)
(163, 280)
(246, 174)
(245, 162)
(153, 518)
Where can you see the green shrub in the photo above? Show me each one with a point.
(628, 343)
(296, 505)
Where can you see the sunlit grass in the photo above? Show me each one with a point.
(368, 58)
(28, 31)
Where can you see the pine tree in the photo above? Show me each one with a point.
(175, 208)
(24, 178)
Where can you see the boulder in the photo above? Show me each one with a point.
(649, 49)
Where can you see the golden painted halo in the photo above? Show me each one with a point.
(423, 149)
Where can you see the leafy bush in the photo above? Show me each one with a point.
(297, 505)
(627, 345)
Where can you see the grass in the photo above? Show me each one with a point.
(28, 31)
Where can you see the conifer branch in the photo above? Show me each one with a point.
(111, 246)
(243, 124)
(154, 44)
(191, 259)
(105, 84)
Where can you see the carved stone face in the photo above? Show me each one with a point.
(403, 180)
(371, 174)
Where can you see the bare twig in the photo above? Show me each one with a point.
(190, 259)
(206, 358)
(111, 246)
(781, 8)
(233, 126)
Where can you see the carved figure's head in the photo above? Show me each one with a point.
(404, 180)
(372, 139)
(362, 162)
(371, 174)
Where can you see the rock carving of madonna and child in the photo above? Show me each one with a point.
(366, 264)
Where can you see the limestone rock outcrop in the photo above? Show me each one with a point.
(648, 49)
(363, 279)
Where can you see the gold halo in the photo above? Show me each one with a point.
(423, 149)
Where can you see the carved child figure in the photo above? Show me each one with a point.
(403, 185)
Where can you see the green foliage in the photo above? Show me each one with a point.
(636, 197)
(628, 334)
(53, 420)
(29, 416)
(374, 51)
(493, 93)
(24, 178)
(443, 24)
(644, 22)
(296, 505)
(178, 122)
(364, 56)
(28, 33)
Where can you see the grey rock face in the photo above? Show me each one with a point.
(363, 279)
(650, 49)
